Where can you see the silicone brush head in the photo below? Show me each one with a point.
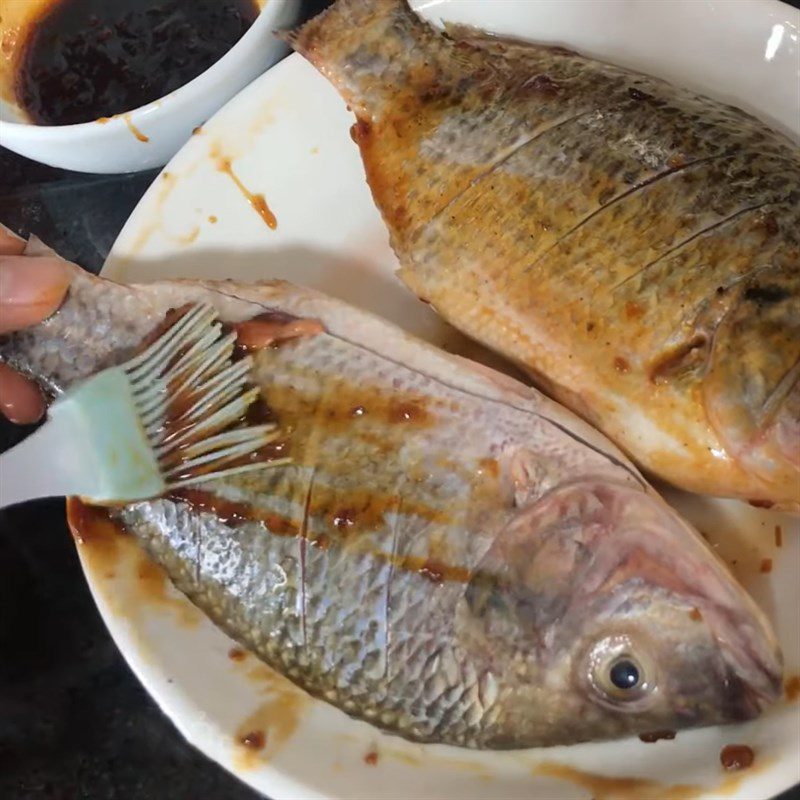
(172, 416)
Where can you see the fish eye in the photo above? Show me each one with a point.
(620, 672)
(624, 674)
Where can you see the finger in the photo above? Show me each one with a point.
(20, 399)
(10, 243)
(31, 289)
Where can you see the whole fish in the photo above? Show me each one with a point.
(449, 555)
(635, 247)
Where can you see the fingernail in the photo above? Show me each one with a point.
(20, 399)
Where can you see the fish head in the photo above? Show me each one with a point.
(601, 613)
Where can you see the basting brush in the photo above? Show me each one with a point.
(170, 417)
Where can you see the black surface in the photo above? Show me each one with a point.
(74, 721)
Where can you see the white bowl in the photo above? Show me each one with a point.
(150, 135)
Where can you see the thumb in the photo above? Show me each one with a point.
(31, 289)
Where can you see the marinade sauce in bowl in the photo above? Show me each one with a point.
(110, 86)
(82, 60)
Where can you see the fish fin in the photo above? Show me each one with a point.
(501, 45)
(458, 30)
(345, 24)
(751, 383)
(372, 50)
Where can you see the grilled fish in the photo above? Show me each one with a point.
(449, 555)
(633, 246)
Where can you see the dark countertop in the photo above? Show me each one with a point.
(74, 721)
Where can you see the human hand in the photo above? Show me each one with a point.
(31, 289)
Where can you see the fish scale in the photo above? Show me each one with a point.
(576, 217)
(454, 563)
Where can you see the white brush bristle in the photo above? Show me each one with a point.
(192, 398)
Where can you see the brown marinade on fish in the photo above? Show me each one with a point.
(449, 554)
(633, 245)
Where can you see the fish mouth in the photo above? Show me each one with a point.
(751, 669)
(751, 661)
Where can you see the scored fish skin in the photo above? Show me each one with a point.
(450, 556)
(632, 245)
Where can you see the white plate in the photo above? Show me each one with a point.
(287, 136)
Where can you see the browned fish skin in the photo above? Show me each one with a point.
(631, 244)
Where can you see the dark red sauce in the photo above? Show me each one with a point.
(344, 518)
(433, 570)
(237, 654)
(233, 513)
(87, 59)
(761, 503)
(407, 412)
(254, 740)
(654, 736)
(737, 756)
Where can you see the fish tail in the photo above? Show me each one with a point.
(366, 48)
(342, 27)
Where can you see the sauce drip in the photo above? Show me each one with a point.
(237, 654)
(761, 503)
(655, 736)
(85, 59)
(261, 736)
(257, 201)
(737, 756)
(792, 688)
(131, 127)
(254, 740)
